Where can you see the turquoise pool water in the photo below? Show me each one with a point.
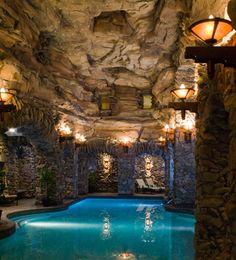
(103, 229)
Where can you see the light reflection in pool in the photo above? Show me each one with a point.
(103, 229)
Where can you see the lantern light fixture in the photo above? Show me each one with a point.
(210, 31)
(80, 138)
(170, 133)
(183, 93)
(162, 141)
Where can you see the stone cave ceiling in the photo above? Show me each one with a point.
(60, 55)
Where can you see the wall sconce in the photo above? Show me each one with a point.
(211, 31)
(79, 138)
(126, 143)
(5, 96)
(188, 128)
(170, 133)
(183, 93)
(162, 141)
(65, 133)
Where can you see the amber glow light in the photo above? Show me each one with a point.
(167, 128)
(211, 30)
(80, 138)
(64, 130)
(5, 95)
(188, 125)
(182, 92)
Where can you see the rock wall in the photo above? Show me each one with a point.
(126, 162)
(151, 166)
(69, 168)
(117, 173)
(184, 189)
(21, 168)
(215, 166)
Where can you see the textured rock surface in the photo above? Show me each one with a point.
(62, 51)
(62, 55)
(215, 237)
(184, 174)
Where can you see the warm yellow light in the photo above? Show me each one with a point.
(12, 130)
(64, 129)
(188, 125)
(5, 95)
(167, 127)
(125, 140)
(105, 103)
(182, 92)
(161, 139)
(80, 138)
(211, 30)
(147, 101)
(211, 16)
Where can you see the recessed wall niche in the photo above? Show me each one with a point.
(150, 166)
(107, 174)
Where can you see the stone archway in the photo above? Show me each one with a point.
(153, 161)
(97, 167)
(150, 166)
(37, 127)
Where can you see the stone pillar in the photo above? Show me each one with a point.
(230, 190)
(126, 165)
(69, 169)
(82, 171)
(211, 157)
(169, 170)
(184, 172)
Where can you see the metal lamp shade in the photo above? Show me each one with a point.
(182, 93)
(211, 30)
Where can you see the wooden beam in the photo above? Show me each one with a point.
(7, 108)
(191, 106)
(220, 54)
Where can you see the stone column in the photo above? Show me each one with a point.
(211, 158)
(184, 172)
(169, 170)
(69, 169)
(82, 171)
(126, 165)
(230, 190)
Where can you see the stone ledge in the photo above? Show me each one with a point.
(7, 228)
